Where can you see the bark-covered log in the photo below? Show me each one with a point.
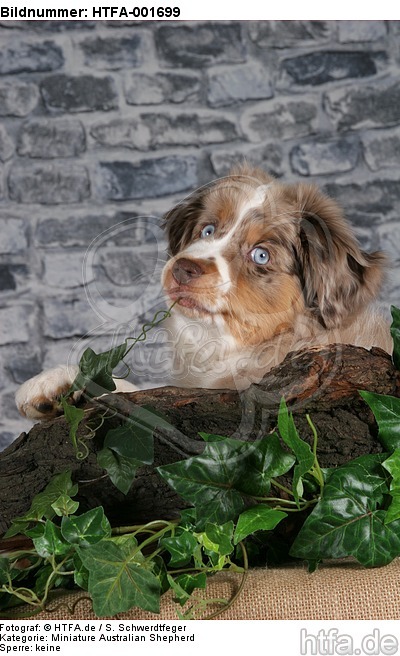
(323, 382)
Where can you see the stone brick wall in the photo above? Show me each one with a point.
(105, 122)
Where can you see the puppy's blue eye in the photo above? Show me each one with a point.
(207, 231)
(259, 256)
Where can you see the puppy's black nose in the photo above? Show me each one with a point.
(185, 270)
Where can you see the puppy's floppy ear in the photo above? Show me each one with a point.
(337, 277)
(179, 222)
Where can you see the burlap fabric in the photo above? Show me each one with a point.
(335, 591)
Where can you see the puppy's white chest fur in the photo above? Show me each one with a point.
(205, 354)
(202, 351)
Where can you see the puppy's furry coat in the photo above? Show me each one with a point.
(268, 268)
(257, 269)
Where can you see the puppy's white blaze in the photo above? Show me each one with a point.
(223, 269)
(257, 199)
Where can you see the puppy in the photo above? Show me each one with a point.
(265, 268)
(257, 269)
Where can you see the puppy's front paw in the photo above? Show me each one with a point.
(39, 397)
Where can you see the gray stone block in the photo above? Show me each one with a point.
(389, 239)
(64, 269)
(68, 318)
(382, 149)
(83, 93)
(269, 158)
(13, 276)
(30, 57)
(366, 237)
(125, 133)
(392, 292)
(325, 156)
(130, 268)
(6, 145)
(7, 280)
(67, 351)
(18, 98)
(289, 34)
(98, 315)
(143, 89)
(321, 67)
(14, 235)
(239, 83)
(48, 184)
(47, 138)
(280, 120)
(21, 362)
(114, 52)
(189, 128)
(368, 201)
(9, 409)
(362, 219)
(14, 324)
(351, 31)
(366, 106)
(79, 230)
(197, 44)
(121, 180)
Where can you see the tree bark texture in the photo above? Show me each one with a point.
(323, 382)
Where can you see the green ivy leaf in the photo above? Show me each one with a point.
(395, 332)
(258, 518)
(184, 584)
(35, 532)
(180, 594)
(188, 519)
(41, 578)
(74, 416)
(216, 481)
(160, 572)
(190, 582)
(266, 461)
(86, 529)
(302, 450)
(60, 485)
(17, 526)
(180, 547)
(386, 410)
(210, 437)
(81, 574)
(65, 506)
(209, 481)
(117, 581)
(122, 471)
(348, 521)
(95, 370)
(127, 543)
(221, 537)
(132, 440)
(392, 465)
(4, 570)
(51, 542)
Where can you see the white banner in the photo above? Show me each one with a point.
(292, 638)
(192, 10)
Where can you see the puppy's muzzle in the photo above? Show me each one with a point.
(184, 271)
